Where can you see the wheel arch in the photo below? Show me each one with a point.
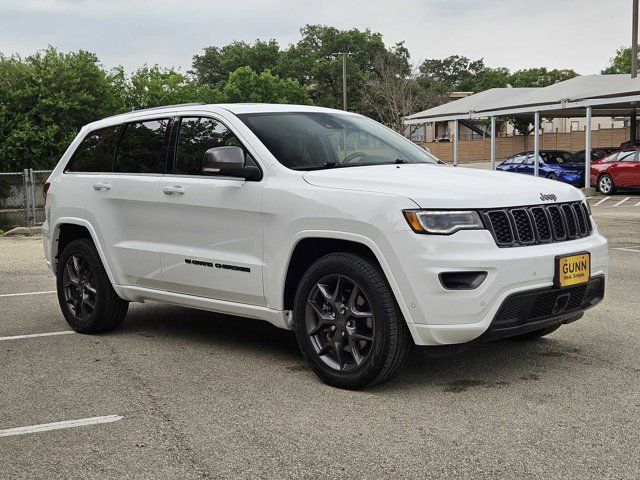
(310, 246)
(68, 229)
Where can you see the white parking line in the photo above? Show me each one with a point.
(44, 427)
(622, 201)
(26, 293)
(34, 335)
(637, 204)
(601, 201)
(627, 249)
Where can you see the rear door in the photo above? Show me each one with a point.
(211, 226)
(125, 202)
(626, 172)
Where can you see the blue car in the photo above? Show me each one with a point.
(554, 164)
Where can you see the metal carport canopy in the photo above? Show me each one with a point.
(609, 95)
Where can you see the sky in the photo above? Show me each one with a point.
(578, 34)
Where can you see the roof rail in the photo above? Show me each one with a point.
(167, 106)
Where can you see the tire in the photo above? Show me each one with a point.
(366, 341)
(86, 297)
(536, 334)
(552, 176)
(606, 185)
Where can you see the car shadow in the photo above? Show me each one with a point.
(498, 364)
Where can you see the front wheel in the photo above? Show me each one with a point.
(348, 325)
(606, 185)
(87, 299)
(552, 176)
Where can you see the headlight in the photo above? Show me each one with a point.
(443, 222)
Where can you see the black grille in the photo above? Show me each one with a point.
(528, 307)
(500, 226)
(520, 226)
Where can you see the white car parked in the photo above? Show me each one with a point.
(316, 220)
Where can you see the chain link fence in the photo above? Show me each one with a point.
(22, 198)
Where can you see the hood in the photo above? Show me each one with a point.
(441, 186)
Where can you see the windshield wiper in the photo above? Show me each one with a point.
(320, 167)
(401, 160)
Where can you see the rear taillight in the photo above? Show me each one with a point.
(45, 189)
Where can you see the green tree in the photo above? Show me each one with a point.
(44, 100)
(454, 73)
(156, 86)
(539, 77)
(215, 65)
(245, 85)
(620, 63)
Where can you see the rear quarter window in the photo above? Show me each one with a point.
(95, 152)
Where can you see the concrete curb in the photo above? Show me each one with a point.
(24, 232)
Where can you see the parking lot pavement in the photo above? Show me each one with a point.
(190, 394)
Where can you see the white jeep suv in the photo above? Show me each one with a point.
(316, 220)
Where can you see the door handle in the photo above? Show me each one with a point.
(175, 190)
(100, 186)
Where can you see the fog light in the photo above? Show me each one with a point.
(462, 280)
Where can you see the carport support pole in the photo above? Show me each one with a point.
(633, 121)
(587, 150)
(493, 143)
(536, 144)
(455, 143)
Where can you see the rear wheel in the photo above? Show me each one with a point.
(536, 334)
(347, 323)
(606, 185)
(87, 299)
(552, 176)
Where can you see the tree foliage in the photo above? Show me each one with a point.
(620, 63)
(44, 99)
(215, 65)
(245, 85)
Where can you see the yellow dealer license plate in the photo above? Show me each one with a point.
(573, 269)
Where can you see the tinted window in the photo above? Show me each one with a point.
(95, 153)
(559, 157)
(197, 135)
(143, 147)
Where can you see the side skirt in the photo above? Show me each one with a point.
(277, 318)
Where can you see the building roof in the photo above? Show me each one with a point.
(607, 94)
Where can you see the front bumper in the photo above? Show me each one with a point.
(532, 310)
(437, 316)
(575, 179)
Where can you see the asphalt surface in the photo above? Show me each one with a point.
(207, 396)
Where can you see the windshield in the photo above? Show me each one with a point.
(313, 140)
(560, 157)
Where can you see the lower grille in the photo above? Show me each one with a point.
(520, 226)
(526, 307)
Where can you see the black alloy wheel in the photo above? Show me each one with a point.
(348, 325)
(86, 297)
(340, 322)
(79, 287)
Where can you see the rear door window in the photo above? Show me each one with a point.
(95, 152)
(143, 147)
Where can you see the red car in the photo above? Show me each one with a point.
(620, 169)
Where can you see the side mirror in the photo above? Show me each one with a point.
(228, 161)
